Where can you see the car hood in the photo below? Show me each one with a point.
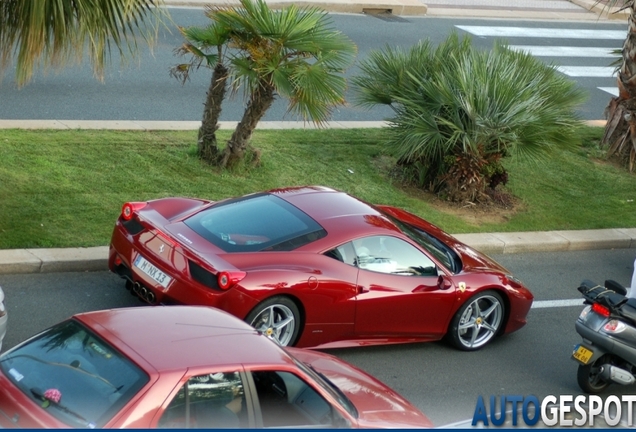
(378, 406)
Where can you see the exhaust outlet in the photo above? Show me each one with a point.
(617, 375)
(144, 293)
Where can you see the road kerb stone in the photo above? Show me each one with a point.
(32, 124)
(167, 125)
(18, 261)
(486, 243)
(71, 259)
(629, 233)
(517, 242)
(595, 239)
(98, 124)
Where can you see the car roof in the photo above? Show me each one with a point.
(341, 214)
(180, 337)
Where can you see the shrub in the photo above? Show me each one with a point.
(459, 110)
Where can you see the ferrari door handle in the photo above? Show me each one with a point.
(362, 289)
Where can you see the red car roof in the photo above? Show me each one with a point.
(339, 213)
(179, 337)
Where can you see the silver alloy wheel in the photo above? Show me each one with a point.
(276, 322)
(480, 321)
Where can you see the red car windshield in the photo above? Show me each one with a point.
(73, 374)
(447, 256)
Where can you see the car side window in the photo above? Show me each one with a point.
(288, 401)
(386, 254)
(209, 401)
(344, 253)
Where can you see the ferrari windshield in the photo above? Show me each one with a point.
(260, 222)
(447, 256)
(73, 374)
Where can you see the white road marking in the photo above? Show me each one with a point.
(564, 51)
(611, 90)
(587, 71)
(540, 304)
(544, 32)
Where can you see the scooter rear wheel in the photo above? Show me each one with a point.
(589, 379)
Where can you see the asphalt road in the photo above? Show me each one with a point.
(144, 90)
(442, 382)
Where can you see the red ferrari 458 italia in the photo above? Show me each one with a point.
(315, 267)
(185, 367)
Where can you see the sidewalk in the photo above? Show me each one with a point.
(517, 9)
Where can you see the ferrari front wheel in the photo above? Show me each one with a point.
(477, 321)
(277, 318)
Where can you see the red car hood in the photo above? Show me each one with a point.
(378, 406)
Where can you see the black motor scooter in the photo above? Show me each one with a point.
(607, 325)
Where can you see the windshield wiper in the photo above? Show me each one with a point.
(81, 420)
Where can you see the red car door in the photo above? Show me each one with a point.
(398, 291)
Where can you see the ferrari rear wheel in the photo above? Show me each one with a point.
(277, 318)
(477, 321)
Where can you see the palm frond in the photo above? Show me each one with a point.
(55, 32)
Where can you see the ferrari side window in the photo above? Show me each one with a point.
(344, 253)
(386, 254)
(209, 401)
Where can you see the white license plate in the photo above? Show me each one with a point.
(157, 275)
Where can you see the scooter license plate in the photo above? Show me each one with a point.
(582, 354)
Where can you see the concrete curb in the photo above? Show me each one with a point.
(551, 241)
(149, 125)
(18, 261)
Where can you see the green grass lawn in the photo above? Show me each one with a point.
(66, 188)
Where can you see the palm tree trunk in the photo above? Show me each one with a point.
(260, 101)
(620, 130)
(206, 144)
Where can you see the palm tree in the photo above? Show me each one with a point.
(206, 46)
(54, 32)
(620, 130)
(459, 111)
(293, 53)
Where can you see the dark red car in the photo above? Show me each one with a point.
(314, 267)
(184, 367)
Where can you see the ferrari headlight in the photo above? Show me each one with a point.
(514, 279)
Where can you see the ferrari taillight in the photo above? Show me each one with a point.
(130, 208)
(229, 279)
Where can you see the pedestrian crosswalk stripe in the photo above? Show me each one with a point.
(564, 51)
(587, 71)
(530, 32)
(611, 90)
